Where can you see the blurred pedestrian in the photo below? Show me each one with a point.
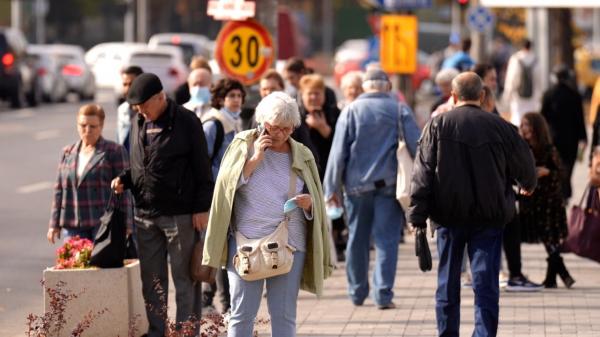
(460, 60)
(258, 171)
(465, 166)
(171, 181)
(271, 82)
(182, 93)
(295, 68)
(199, 82)
(522, 85)
(562, 107)
(443, 80)
(363, 162)
(543, 217)
(82, 188)
(124, 112)
(351, 85)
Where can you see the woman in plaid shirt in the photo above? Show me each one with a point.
(82, 188)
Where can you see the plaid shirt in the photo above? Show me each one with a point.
(81, 202)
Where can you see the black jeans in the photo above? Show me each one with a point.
(512, 247)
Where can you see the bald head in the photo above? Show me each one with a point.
(467, 87)
(199, 77)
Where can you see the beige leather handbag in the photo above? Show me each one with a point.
(257, 259)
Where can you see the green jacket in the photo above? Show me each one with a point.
(317, 265)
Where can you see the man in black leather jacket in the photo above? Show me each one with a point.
(466, 164)
(172, 183)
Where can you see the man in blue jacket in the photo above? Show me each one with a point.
(363, 159)
(467, 162)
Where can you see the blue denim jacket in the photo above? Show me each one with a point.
(363, 154)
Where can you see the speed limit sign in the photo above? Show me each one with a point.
(244, 50)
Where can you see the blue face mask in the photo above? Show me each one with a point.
(290, 205)
(334, 212)
(200, 95)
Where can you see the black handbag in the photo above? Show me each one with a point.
(130, 248)
(422, 249)
(109, 243)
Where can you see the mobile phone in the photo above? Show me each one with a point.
(262, 130)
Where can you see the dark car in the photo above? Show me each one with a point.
(18, 78)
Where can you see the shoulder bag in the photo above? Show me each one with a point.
(405, 167)
(272, 255)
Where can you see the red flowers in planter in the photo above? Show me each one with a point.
(74, 254)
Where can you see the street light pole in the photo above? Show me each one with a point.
(15, 14)
(267, 15)
(129, 22)
(142, 20)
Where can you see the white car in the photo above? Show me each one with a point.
(190, 44)
(48, 67)
(80, 78)
(109, 59)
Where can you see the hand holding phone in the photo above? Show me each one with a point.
(262, 142)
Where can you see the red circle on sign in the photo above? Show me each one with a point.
(223, 36)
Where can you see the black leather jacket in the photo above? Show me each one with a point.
(172, 174)
(466, 164)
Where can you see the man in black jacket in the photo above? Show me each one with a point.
(171, 181)
(466, 164)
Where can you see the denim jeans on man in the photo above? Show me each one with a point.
(483, 246)
(157, 237)
(375, 214)
(282, 299)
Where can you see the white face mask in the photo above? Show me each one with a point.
(200, 94)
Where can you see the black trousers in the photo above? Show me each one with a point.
(512, 247)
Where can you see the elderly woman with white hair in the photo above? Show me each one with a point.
(443, 80)
(351, 85)
(261, 171)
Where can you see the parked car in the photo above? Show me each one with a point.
(108, 59)
(18, 80)
(190, 44)
(48, 67)
(79, 76)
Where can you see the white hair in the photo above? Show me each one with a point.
(352, 77)
(278, 106)
(376, 85)
(446, 75)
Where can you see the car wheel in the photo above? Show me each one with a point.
(35, 96)
(17, 99)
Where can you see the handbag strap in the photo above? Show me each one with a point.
(584, 194)
(114, 201)
(292, 186)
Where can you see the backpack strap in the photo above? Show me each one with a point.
(219, 138)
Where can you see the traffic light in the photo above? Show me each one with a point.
(463, 3)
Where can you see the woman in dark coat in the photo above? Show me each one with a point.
(542, 215)
(562, 106)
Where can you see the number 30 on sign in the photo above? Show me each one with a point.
(244, 50)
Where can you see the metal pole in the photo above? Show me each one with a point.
(456, 19)
(596, 28)
(129, 22)
(142, 20)
(327, 42)
(478, 40)
(15, 14)
(266, 14)
(542, 40)
(41, 9)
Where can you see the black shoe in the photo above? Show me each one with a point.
(522, 284)
(562, 271)
(390, 305)
(550, 280)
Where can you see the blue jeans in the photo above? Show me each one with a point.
(83, 232)
(282, 299)
(377, 214)
(483, 247)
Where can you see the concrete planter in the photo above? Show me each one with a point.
(119, 290)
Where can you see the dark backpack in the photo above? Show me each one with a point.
(219, 139)
(525, 88)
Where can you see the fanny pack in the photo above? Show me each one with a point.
(269, 256)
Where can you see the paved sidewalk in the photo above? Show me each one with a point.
(550, 313)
